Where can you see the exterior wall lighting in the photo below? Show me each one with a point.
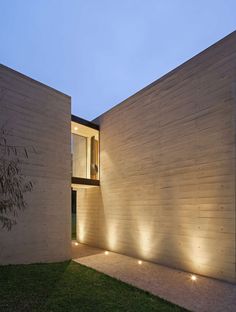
(140, 262)
(75, 128)
(76, 244)
(106, 253)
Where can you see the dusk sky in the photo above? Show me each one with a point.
(102, 51)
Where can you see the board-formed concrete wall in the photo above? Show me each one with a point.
(37, 118)
(167, 170)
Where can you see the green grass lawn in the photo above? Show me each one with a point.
(69, 286)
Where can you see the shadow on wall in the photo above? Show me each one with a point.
(13, 184)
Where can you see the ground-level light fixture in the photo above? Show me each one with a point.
(140, 262)
(106, 252)
(76, 243)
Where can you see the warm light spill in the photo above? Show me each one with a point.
(76, 244)
(112, 233)
(145, 239)
(75, 128)
(81, 230)
(106, 253)
(193, 278)
(140, 262)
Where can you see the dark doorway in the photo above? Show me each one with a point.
(73, 214)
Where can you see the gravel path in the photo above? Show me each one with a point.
(203, 295)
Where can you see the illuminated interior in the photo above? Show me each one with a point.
(85, 164)
(85, 151)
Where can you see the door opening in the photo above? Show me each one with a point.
(73, 214)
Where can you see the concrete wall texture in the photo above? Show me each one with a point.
(38, 118)
(167, 170)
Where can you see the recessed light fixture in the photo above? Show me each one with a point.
(193, 278)
(140, 262)
(106, 252)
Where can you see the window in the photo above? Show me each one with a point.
(79, 156)
(85, 151)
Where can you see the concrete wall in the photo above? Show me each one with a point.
(38, 118)
(167, 170)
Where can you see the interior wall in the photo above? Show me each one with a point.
(167, 170)
(37, 118)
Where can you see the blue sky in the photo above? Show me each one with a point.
(102, 51)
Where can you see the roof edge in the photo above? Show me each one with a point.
(33, 80)
(168, 74)
(84, 122)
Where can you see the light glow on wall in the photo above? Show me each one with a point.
(193, 278)
(145, 239)
(81, 231)
(200, 253)
(112, 235)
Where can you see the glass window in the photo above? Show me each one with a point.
(85, 151)
(79, 156)
(94, 159)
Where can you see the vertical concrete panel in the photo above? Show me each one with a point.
(167, 169)
(37, 118)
